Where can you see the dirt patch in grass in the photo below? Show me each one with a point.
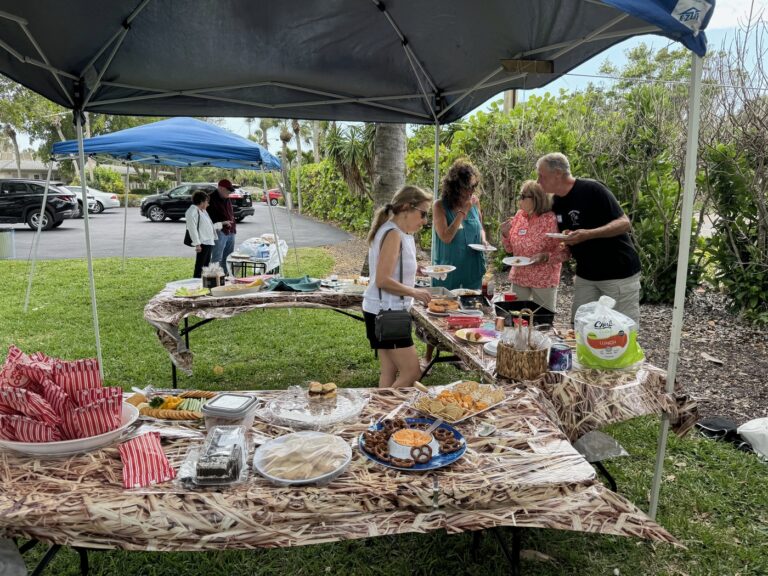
(737, 388)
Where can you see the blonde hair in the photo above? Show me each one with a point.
(542, 202)
(406, 198)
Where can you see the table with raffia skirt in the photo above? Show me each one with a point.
(584, 400)
(526, 474)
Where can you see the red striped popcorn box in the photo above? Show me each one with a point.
(57, 398)
(144, 462)
(28, 403)
(20, 428)
(91, 395)
(100, 416)
(77, 375)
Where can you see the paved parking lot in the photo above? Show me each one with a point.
(145, 238)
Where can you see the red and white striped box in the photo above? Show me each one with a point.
(144, 462)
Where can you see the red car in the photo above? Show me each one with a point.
(274, 196)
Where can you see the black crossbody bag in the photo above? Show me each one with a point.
(393, 324)
(187, 237)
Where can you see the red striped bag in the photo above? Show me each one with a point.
(144, 462)
(28, 403)
(20, 428)
(99, 417)
(76, 375)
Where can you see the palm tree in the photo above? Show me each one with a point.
(300, 130)
(249, 122)
(265, 124)
(285, 137)
(351, 151)
(390, 144)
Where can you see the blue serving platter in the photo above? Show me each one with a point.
(439, 461)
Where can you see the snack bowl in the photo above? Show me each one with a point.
(319, 458)
(78, 445)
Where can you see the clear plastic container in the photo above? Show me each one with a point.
(230, 409)
(222, 459)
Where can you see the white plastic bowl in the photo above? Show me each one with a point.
(69, 447)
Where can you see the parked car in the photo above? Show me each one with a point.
(77, 194)
(20, 202)
(101, 200)
(174, 203)
(274, 196)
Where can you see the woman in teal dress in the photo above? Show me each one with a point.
(458, 223)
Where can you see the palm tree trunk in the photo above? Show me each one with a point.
(57, 124)
(388, 162)
(89, 162)
(11, 134)
(316, 140)
(297, 133)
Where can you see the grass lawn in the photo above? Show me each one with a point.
(714, 498)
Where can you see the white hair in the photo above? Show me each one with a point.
(555, 162)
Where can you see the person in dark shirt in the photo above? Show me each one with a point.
(598, 236)
(220, 210)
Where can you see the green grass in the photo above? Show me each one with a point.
(714, 498)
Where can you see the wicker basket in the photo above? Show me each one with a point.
(522, 364)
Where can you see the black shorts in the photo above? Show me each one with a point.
(370, 332)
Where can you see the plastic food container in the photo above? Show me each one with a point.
(230, 409)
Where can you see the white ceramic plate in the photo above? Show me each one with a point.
(517, 261)
(69, 447)
(490, 348)
(439, 270)
(266, 448)
(482, 248)
(476, 335)
(557, 235)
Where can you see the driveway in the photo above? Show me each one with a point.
(165, 238)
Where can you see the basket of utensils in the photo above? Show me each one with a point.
(523, 352)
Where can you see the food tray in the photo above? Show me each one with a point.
(441, 292)
(338, 443)
(294, 409)
(435, 390)
(470, 302)
(234, 290)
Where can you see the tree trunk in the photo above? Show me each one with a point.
(57, 125)
(297, 132)
(388, 162)
(11, 134)
(89, 162)
(286, 178)
(316, 140)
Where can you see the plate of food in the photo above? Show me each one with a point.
(517, 261)
(238, 289)
(459, 400)
(440, 271)
(316, 405)
(403, 444)
(78, 445)
(476, 335)
(306, 457)
(482, 247)
(171, 405)
(189, 292)
(465, 292)
(558, 235)
(441, 306)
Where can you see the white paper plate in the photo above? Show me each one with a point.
(517, 261)
(266, 448)
(490, 348)
(482, 248)
(439, 270)
(557, 235)
(69, 447)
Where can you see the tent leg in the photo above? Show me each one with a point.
(689, 189)
(125, 209)
(435, 182)
(37, 237)
(94, 309)
(272, 218)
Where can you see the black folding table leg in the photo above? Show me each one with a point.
(611, 481)
(83, 561)
(513, 556)
(52, 551)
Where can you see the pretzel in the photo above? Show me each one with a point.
(450, 445)
(393, 424)
(442, 434)
(403, 463)
(373, 437)
(207, 394)
(380, 451)
(421, 454)
(163, 414)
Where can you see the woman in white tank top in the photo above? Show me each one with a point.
(391, 242)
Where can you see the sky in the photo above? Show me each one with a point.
(728, 16)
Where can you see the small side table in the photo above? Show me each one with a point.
(240, 268)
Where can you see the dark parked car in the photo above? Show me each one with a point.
(20, 201)
(174, 203)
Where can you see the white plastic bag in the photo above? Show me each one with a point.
(605, 338)
(756, 433)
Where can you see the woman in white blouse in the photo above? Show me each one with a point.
(391, 289)
(201, 230)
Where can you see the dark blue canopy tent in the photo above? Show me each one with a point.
(427, 62)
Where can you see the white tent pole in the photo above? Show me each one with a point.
(272, 217)
(435, 183)
(37, 236)
(125, 209)
(94, 309)
(689, 189)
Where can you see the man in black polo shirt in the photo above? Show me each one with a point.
(598, 236)
(220, 210)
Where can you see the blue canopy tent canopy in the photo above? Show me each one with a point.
(426, 62)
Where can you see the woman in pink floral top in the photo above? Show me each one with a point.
(524, 235)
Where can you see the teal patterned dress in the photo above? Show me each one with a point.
(470, 264)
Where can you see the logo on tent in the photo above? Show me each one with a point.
(691, 13)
